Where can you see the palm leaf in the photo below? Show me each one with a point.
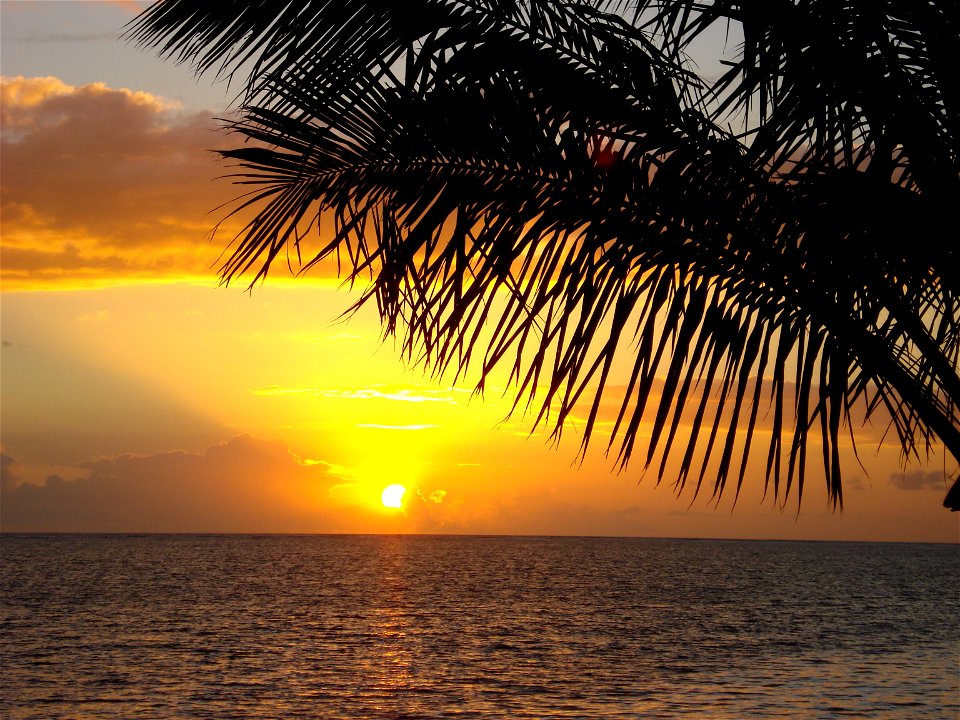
(546, 186)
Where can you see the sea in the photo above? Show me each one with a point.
(403, 627)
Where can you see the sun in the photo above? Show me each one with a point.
(392, 496)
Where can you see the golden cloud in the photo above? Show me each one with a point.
(103, 185)
(416, 394)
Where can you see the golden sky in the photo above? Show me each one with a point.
(137, 395)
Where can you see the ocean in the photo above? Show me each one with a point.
(278, 626)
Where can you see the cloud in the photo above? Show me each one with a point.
(378, 426)
(395, 394)
(918, 480)
(19, 96)
(132, 6)
(434, 511)
(7, 478)
(102, 184)
(242, 485)
(80, 37)
(855, 482)
(126, 7)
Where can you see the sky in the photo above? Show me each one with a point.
(139, 395)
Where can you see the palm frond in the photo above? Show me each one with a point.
(547, 187)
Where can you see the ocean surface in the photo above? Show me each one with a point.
(168, 626)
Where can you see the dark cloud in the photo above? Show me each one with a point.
(855, 482)
(918, 480)
(242, 485)
(7, 478)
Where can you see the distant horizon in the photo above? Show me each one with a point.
(475, 535)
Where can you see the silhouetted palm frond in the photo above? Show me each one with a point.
(547, 186)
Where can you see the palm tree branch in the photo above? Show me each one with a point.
(550, 170)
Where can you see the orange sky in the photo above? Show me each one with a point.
(139, 396)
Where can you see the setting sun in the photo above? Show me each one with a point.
(392, 496)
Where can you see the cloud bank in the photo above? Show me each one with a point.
(101, 184)
(242, 485)
(919, 480)
(104, 185)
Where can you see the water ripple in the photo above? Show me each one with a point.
(463, 627)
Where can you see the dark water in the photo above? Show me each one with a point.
(476, 627)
